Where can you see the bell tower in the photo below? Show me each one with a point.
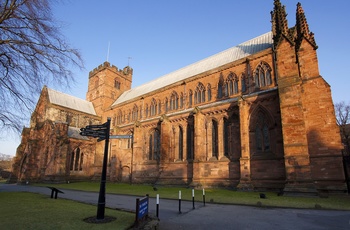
(106, 84)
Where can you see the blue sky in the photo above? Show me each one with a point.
(163, 36)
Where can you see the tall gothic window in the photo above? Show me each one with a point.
(262, 75)
(76, 162)
(153, 107)
(129, 116)
(174, 101)
(159, 107)
(190, 94)
(135, 112)
(215, 139)
(221, 87)
(146, 111)
(243, 83)
(181, 100)
(209, 92)
(230, 81)
(181, 143)
(166, 105)
(190, 142)
(199, 94)
(228, 138)
(262, 134)
(154, 145)
(116, 83)
(226, 143)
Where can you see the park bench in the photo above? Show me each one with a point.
(54, 191)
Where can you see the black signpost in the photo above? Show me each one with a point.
(102, 133)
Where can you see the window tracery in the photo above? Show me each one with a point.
(262, 75)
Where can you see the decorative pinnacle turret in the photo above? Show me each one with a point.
(303, 28)
(279, 23)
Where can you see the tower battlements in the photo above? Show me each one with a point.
(106, 65)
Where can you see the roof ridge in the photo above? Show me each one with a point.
(69, 101)
(66, 94)
(228, 55)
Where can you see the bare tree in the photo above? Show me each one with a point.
(33, 52)
(342, 114)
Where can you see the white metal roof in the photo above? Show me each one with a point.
(70, 102)
(232, 54)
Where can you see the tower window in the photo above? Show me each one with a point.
(116, 83)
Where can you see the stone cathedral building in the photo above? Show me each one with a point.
(255, 116)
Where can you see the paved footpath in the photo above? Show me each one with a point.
(211, 216)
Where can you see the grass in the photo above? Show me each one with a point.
(225, 196)
(22, 210)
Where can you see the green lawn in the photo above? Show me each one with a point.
(21, 210)
(336, 202)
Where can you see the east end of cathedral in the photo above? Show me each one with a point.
(257, 116)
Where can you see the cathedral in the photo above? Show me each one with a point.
(257, 116)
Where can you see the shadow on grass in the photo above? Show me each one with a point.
(22, 210)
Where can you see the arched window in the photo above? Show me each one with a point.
(174, 101)
(228, 138)
(190, 141)
(209, 92)
(180, 143)
(262, 134)
(243, 83)
(166, 105)
(76, 162)
(215, 139)
(199, 94)
(262, 75)
(116, 83)
(159, 107)
(153, 107)
(231, 87)
(235, 87)
(221, 86)
(230, 81)
(154, 145)
(135, 113)
(181, 100)
(146, 110)
(190, 94)
(129, 116)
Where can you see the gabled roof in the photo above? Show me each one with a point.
(70, 102)
(232, 54)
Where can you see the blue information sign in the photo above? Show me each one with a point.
(141, 209)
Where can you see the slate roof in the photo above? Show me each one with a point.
(232, 54)
(70, 102)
